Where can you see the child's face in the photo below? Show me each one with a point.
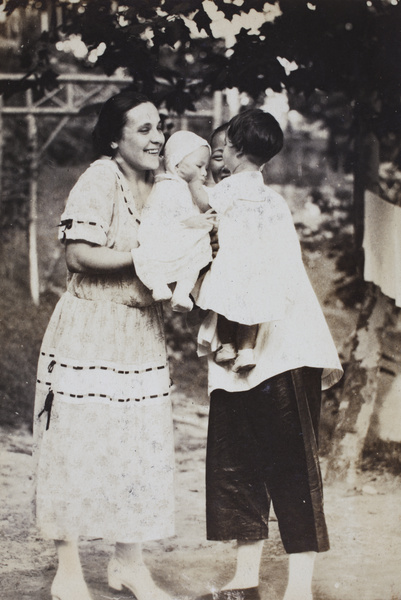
(230, 155)
(195, 163)
(217, 167)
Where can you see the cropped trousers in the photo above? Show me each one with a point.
(262, 447)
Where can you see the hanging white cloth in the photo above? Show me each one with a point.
(382, 245)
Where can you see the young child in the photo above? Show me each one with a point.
(238, 285)
(217, 169)
(174, 241)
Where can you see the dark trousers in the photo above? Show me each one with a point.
(262, 446)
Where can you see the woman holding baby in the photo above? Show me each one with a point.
(103, 430)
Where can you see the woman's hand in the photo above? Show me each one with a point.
(206, 220)
(82, 257)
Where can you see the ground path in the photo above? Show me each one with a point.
(364, 524)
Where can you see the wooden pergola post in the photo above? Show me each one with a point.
(1, 149)
(33, 203)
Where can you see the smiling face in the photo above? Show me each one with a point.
(142, 139)
(197, 162)
(217, 167)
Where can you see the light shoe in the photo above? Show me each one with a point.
(135, 578)
(69, 589)
(224, 354)
(245, 361)
(161, 293)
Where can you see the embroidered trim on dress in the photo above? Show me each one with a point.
(125, 198)
(103, 396)
(101, 367)
(68, 223)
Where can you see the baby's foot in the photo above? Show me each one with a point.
(181, 303)
(161, 292)
(224, 354)
(245, 360)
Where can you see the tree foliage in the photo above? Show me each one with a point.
(347, 46)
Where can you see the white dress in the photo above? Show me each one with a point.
(169, 250)
(104, 448)
(245, 283)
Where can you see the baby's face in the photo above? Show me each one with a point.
(196, 163)
(217, 167)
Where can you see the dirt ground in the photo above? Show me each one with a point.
(364, 521)
(364, 524)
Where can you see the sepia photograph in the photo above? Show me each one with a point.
(170, 429)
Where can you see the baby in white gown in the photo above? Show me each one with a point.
(174, 240)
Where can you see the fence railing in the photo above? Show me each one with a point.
(73, 93)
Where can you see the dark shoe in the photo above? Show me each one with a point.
(243, 594)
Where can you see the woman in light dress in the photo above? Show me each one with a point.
(103, 430)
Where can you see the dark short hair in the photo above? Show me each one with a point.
(257, 134)
(112, 119)
(220, 129)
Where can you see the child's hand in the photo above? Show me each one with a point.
(187, 172)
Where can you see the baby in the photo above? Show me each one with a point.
(174, 241)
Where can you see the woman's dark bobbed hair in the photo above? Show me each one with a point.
(257, 134)
(112, 119)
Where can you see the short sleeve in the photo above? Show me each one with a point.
(221, 196)
(89, 209)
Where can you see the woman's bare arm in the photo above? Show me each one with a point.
(82, 257)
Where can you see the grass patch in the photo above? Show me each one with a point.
(22, 326)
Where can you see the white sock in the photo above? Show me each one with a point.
(129, 554)
(249, 555)
(300, 573)
(69, 563)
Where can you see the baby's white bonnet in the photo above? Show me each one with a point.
(179, 145)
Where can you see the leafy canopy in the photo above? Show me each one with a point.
(169, 49)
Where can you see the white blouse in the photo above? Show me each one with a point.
(296, 333)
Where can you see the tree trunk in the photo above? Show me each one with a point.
(377, 313)
(360, 386)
